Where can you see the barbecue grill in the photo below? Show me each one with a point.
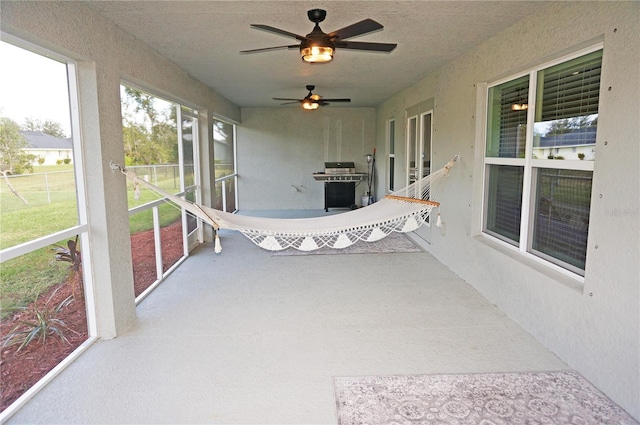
(340, 180)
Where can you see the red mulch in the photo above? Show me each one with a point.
(20, 370)
(143, 252)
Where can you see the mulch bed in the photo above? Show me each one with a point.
(20, 370)
(144, 255)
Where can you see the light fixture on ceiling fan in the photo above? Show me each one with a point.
(310, 103)
(317, 48)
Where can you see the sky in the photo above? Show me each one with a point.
(33, 86)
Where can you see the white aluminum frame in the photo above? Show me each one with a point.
(82, 229)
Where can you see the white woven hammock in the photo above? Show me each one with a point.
(404, 210)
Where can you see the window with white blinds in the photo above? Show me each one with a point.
(567, 111)
(540, 148)
(508, 119)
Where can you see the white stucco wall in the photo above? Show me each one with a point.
(595, 326)
(280, 148)
(105, 54)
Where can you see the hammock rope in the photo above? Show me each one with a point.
(404, 210)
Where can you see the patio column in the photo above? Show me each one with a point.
(107, 210)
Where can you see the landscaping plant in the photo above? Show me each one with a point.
(71, 255)
(41, 323)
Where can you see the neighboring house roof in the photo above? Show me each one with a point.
(40, 140)
(578, 137)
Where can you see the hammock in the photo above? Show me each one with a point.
(404, 210)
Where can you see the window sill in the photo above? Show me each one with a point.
(567, 278)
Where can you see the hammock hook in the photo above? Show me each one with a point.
(114, 166)
(117, 167)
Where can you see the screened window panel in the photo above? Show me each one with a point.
(224, 156)
(561, 221)
(225, 195)
(192, 221)
(567, 109)
(188, 149)
(504, 202)
(507, 119)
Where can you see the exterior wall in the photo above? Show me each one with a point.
(280, 148)
(594, 327)
(51, 157)
(105, 55)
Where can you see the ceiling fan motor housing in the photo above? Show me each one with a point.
(317, 15)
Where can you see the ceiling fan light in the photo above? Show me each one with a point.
(308, 104)
(316, 54)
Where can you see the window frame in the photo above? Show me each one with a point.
(231, 178)
(81, 229)
(391, 154)
(530, 165)
(190, 240)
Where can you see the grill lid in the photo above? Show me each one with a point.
(339, 168)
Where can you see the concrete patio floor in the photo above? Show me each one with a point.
(245, 337)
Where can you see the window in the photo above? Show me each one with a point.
(540, 149)
(224, 152)
(412, 148)
(391, 137)
(419, 131)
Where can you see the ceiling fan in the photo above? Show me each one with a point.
(318, 46)
(312, 101)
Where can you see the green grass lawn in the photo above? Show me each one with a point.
(52, 207)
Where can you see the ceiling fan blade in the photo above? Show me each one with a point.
(284, 98)
(359, 28)
(267, 49)
(336, 100)
(376, 47)
(278, 31)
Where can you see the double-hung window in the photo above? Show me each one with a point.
(540, 150)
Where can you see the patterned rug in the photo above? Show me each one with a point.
(562, 397)
(395, 242)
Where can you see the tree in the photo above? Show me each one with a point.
(13, 160)
(48, 127)
(149, 130)
(567, 125)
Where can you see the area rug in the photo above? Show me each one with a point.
(562, 397)
(395, 242)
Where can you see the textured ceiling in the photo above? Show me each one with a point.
(205, 38)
